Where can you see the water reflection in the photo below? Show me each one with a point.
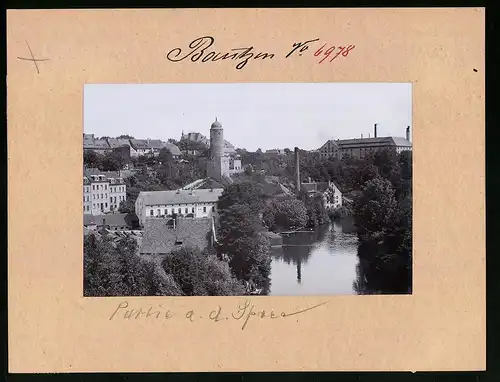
(317, 262)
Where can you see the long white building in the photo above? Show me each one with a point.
(190, 203)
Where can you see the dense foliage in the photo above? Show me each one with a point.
(285, 213)
(201, 274)
(118, 271)
(240, 234)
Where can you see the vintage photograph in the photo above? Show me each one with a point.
(237, 189)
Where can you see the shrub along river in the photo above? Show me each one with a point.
(319, 262)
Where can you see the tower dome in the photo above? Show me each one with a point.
(216, 124)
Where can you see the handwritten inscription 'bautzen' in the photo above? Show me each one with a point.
(199, 50)
(243, 313)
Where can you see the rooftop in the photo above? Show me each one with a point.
(180, 196)
(112, 220)
(373, 142)
(160, 235)
(118, 142)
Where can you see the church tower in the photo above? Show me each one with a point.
(218, 163)
(216, 140)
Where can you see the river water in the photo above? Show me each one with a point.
(320, 262)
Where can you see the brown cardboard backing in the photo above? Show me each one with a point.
(52, 328)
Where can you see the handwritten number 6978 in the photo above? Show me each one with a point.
(342, 50)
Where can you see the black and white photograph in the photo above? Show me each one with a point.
(239, 189)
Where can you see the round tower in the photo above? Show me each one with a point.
(216, 140)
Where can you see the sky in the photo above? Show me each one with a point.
(253, 115)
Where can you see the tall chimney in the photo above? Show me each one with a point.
(297, 170)
(375, 131)
(408, 133)
(361, 136)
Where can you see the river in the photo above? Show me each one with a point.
(320, 262)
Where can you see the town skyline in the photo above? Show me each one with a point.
(161, 111)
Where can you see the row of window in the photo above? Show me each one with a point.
(97, 187)
(120, 198)
(167, 211)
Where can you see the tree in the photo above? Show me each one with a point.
(287, 213)
(317, 214)
(199, 274)
(247, 193)
(375, 208)
(112, 161)
(240, 234)
(110, 271)
(92, 159)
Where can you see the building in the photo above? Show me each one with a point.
(195, 203)
(112, 222)
(102, 191)
(174, 150)
(140, 147)
(90, 143)
(275, 152)
(332, 196)
(221, 165)
(162, 236)
(228, 147)
(362, 147)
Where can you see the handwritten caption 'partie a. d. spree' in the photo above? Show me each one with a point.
(243, 312)
(200, 50)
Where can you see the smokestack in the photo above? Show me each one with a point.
(408, 133)
(297, 169)
(375, 131)
(361, 136)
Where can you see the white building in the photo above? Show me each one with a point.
(191, 203)
(332, 196)
(102, 191)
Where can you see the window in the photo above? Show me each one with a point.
(186, 210)
(179, 210)
(151, 213)
(93, 187)
(106, 196)
(167, 211)
(192, 210)
(213, 208)
(106, 205)
(105, 186)
(204, 209)
(158, 211)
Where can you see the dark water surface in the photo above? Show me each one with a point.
(320, 262)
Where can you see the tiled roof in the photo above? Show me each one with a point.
(317, 186)
(160, 236)
(139, 143)
(118, 142)
(112, 220)
(180, 196)
(174, 150)
(373, 142)
(400, 141)
(154, 144)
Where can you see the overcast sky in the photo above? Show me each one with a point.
(253, 115)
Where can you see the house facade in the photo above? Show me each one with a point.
(102, 191)
(161, 204)
(332, 196)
